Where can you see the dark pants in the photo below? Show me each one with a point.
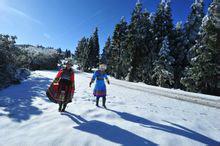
(103, 101)
(65, 85)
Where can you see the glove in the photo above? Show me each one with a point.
(91, 83)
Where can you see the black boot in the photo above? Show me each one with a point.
(103, 102)
(60, 107)
(64, 107)
(97, 101)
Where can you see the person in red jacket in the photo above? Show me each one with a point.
(62, 89)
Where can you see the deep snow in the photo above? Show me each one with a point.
(135, 117)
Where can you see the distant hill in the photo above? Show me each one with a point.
(37, 49)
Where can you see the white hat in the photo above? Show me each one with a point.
(102, 67)
(68, 61)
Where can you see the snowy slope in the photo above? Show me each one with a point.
(134, 118)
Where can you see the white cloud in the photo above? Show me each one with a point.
(8, 10)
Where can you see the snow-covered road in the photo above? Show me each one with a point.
(134, 117)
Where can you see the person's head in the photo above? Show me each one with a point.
(102, 67)
(68, 63)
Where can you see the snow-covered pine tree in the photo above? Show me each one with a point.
(86, 52)
(78, 52)
(106, 54)
(81, 54)
(133, 40)
(147, 44)
(94, 50)
(194, 22)
(67, 53)
(163, 72)
(203, 75)
(91, 54)
(61, 54)
(215, 11)
(137, 43)
(106, 47)
(179, 53)
(11, 59)
(6, 50)
(110, 57)
(119, 49)
(59, 50)
(163, 25)
(169, 22)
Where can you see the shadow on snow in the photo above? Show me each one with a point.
(109, 132)
(118, 135)
(17, 100)
(174, 129)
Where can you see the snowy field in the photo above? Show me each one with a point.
(134, 117)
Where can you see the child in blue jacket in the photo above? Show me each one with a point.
(100, 88)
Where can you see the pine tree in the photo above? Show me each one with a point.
(194, 22)
(78, 52)
(108, 56)
(163, 70)
(91, 54)
(67, 54)
(59, 50)
(87, 52)
(163, 25)
(105, 54)
(119, 48)
(147, 47)
(179, 53)
(135, 41)
(94, 50)
(82, 54)
(202, 75)
(8, 60)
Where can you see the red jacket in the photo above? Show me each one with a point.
(52, 91)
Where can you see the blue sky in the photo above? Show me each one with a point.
(61, 23)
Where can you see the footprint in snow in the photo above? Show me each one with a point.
(167, 107)
(203, 114)
(89, 111)
(184, 119)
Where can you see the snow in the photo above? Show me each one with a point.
(22, 74)
(34, 50)
(136, 116)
